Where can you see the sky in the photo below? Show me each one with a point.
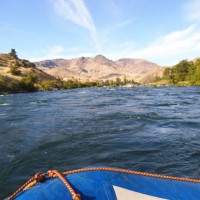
(161, 31)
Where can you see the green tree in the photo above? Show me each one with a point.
(169, 74)
(172, 76)
(8, 85)
(14, 68)
(156, 79)
(166, 74)
(196, 76)
(118, 81)
(106, 83)
(13, 53)
(70, 84)
(2, 84)
(181, 70)
(28, 83)
(191, 73)
(125, 81)
(47, 85)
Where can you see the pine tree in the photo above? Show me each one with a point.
(13, 53)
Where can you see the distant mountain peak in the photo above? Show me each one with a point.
(102, 68)
(99, 56)
(102, 60)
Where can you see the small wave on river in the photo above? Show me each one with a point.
(147, 129)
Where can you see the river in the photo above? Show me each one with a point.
(154, 130)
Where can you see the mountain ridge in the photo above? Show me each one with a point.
(101, 68)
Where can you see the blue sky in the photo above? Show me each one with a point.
(161, 31)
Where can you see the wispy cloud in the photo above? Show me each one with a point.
(112, 7)
(121, 25)
(77, 12)
(106, 35)
(54, 52)
(173, 46)
(167, 49)
(192, 10)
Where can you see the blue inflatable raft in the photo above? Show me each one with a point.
(108, 184)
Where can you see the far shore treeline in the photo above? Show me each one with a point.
(30, 84)
(185, 73)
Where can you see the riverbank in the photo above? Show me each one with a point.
(19, 76)
(185, 73)
(30, 84)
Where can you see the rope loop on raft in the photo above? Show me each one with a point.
(40, 177)
(54, 173)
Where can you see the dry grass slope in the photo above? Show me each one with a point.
(26, 68)
(101, 68)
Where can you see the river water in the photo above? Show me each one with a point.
(147, 129)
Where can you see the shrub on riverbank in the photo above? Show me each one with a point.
(185, 73)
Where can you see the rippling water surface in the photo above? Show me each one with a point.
(146, 129)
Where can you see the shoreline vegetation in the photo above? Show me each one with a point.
(185, 73)
(30, 84)
(23, 76)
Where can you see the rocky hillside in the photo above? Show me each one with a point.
(101, 68)
(18, 75)
(26, 67)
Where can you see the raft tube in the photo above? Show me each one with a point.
(114, 184)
